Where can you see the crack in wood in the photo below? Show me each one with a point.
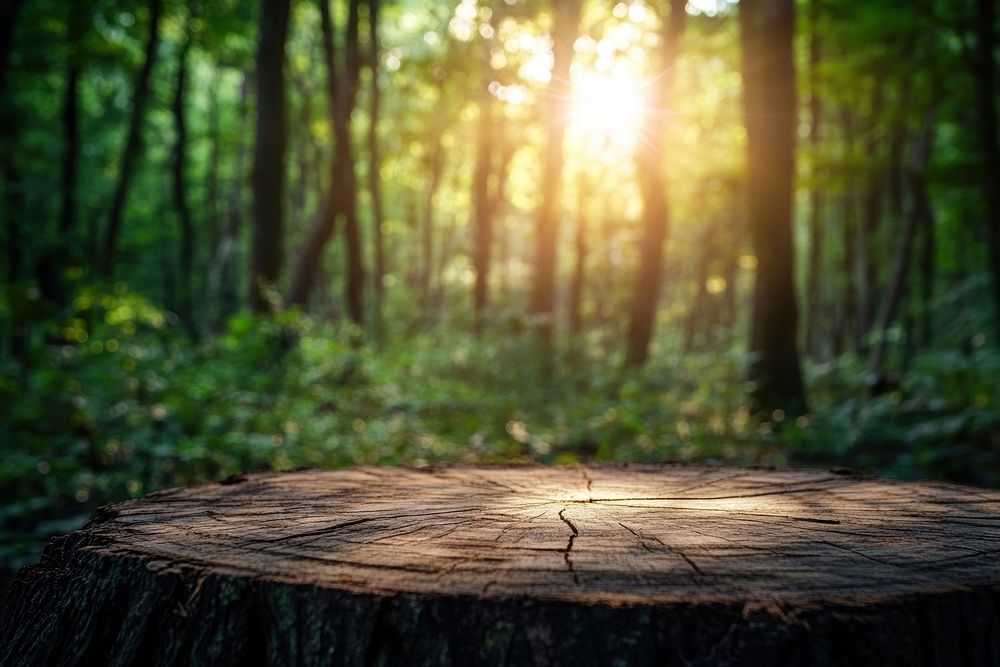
(569, 546)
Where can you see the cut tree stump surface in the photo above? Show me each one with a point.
(547, 564)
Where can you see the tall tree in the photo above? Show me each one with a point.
(341, 198)
(267, 249)
(185, 263)
(374, 164)
(847, 329)
(133, 143)
(920, 209)
(871, 216)
(927, 270)
(766, 36)
(567, 18)
(652, 181)
(816, 203)
(307, 265)
(10, 176)
(985, 71)
(348, 194)
(581, 243)
(222, 282)
(52, 264)
(482, 241)
(434, 161)
(8, 19)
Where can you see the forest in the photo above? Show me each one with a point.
(245, 235)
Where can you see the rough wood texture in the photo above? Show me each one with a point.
(523, 565)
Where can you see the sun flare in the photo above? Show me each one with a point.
(607, 107)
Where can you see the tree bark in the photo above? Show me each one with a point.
(13, 208)
(434, 161)
(984, 70)
(847, 331)
(566, 565)
(928, 266)
(500, 206)
(341, 199)
(482, 205)
(9, 10)
(306, 181)
(307, 266)
(213, 183)
(814, 306)
(348, 195)
(185, 257)
(267, 246)
(222, 278)
(133, 143)
(567, 17)
(766, 31)
(375, 161)
(698, 318)
(53, 263)
(653, 182)
(867, 271)
(582, 248)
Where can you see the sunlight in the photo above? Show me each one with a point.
(607, 107)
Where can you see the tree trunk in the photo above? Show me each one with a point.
(579, 280)
(348, 193)
(564, 31)
(13, 188)
(896, 174)
(816, 202)
(919, 210)
(13, 209)
(698, 319)
(133, 143)
(267, 246)
(653, 182)
(928, 265)
(435, 169)
(766, 31)
(867, 273)
(446, 253)
(984, 69)
(499, 208)
(374, 164)
(222, 279)
(213, 184)
(847, 327)
(168, 271)
(664, 565)
(53, 263)
(341, 198)
(8, 20)
(185, 258)
(851, 326)
(306, 181)
(482, 242)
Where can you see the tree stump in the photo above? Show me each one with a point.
(632, 564)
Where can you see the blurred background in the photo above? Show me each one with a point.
(262, 234)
